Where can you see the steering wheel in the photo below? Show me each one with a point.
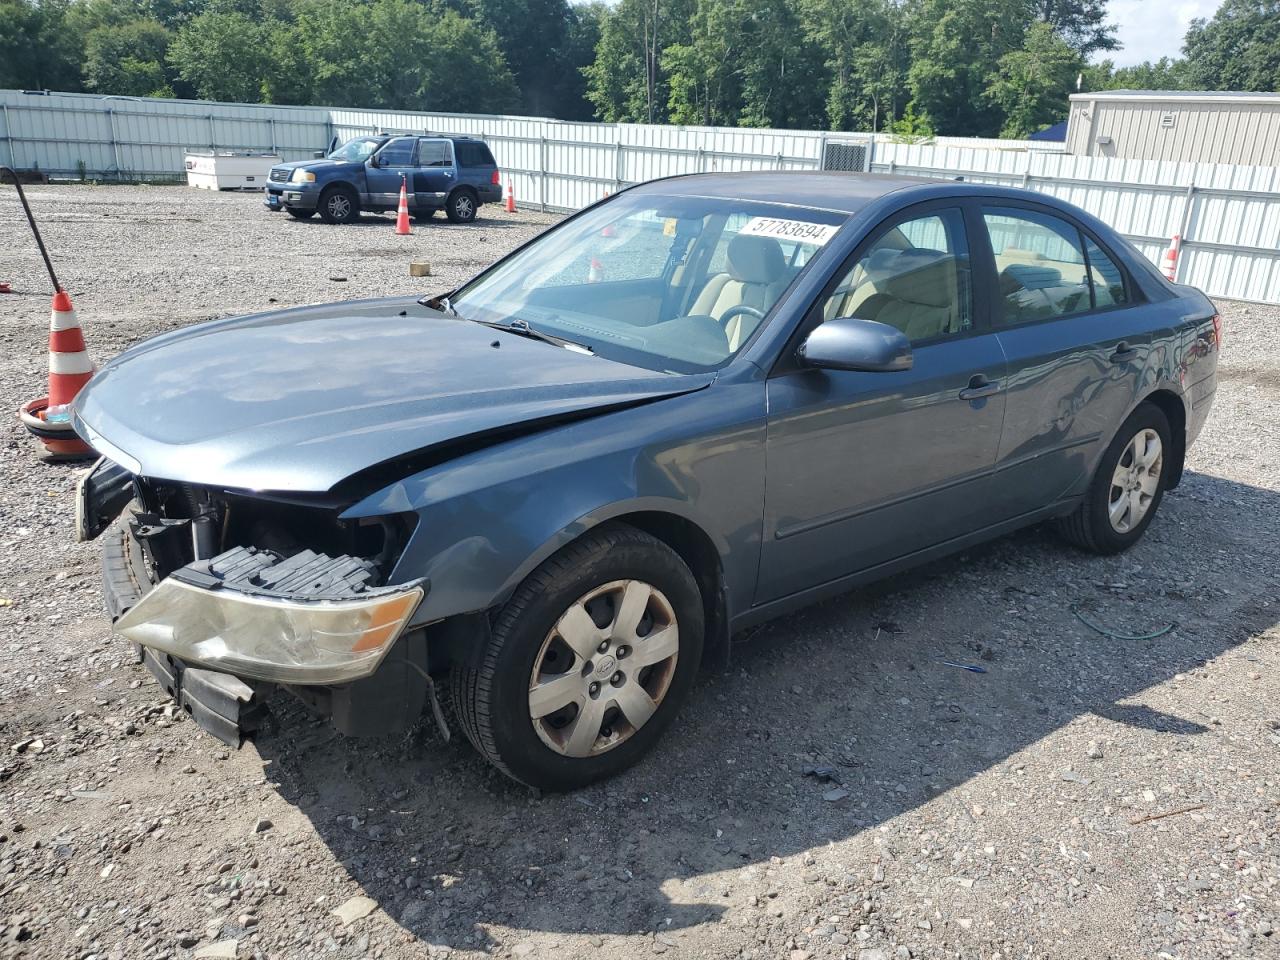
(741, 308)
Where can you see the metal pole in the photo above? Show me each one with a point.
(8, 135)
(115, 147)
(619, 166)
(822, 151)
(48, 264)
(1187, 206)
(542, 174)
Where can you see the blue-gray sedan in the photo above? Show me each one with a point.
(552, 493)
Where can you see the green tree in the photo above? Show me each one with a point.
(1082, 24)
(1162, 74)
(626, 81)
(1239, 49)
(128, 59)
(866, 55)
(1032, 85)
(956, 49)
(224, 56)
(37, 52)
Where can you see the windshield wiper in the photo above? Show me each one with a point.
(522, 328)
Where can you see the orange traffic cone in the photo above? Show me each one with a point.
(69, 369)
(595, 272)
(402, 215)
(1169, 267)
(510, 202)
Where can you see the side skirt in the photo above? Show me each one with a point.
(788, 604)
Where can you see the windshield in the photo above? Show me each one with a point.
(666, 282)
(357, 150)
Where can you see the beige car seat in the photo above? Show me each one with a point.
(755, 276)
(919, 297)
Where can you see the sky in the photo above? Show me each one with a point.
(1151, 29)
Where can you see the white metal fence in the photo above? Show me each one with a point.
(1228, 216)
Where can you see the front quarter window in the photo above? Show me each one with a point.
(674, 283)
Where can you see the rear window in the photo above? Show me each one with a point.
(474, 154)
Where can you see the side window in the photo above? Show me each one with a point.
(397, 153)
(915, 276)
(1107, 278)
(434, 153)
(1040, 265)
(473, 155)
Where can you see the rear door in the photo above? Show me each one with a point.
(435, 174)
(394, 166)
(1068, 319)
(864, 468)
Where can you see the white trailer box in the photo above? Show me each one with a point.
(229, 171)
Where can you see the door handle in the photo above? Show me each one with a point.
(979, 387)
(1124, 353)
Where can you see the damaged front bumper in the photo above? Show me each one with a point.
(294, 621)
(220, 634)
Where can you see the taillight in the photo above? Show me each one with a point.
(494, 179)
(1217, 330)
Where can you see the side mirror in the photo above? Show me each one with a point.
(318, 155)
(850, 343)
(373, 161)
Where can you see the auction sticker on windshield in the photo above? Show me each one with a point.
(801, 230)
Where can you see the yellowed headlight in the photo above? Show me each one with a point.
(269, 638)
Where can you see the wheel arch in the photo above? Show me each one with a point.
(679, 531)
(1174, 408)
(464, 188)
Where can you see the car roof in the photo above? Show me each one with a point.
(835, 190)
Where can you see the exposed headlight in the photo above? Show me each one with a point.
(302, 176)
(267, 638)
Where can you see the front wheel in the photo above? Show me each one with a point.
(461, 207)
(1127, 489)
(300, 214)
(587, 663)
(339, 205)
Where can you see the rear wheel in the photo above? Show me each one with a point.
(1127, 489)
(461, 206)
(587, 663)
(339, 205)
(301, 214)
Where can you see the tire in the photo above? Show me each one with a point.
(300, 214)
(339, 205)
(422, 216)
(588, 737)
(462, 206)
(1092, 526)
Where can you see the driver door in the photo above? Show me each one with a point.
(394, 165)
(864, 468)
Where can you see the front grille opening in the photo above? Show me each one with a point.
(282, 528)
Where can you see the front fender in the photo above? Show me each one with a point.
(488, 519)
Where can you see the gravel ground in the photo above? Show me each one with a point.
(1005, 814)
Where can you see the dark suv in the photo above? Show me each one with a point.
(453, 174)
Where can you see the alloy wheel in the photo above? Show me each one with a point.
(604, 668)
(339, 206)
(1135, 481)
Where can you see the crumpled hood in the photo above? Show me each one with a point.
(298, 400)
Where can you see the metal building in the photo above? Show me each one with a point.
(1196, 127)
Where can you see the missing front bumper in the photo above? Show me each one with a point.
(220, 704)
(232, 708)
